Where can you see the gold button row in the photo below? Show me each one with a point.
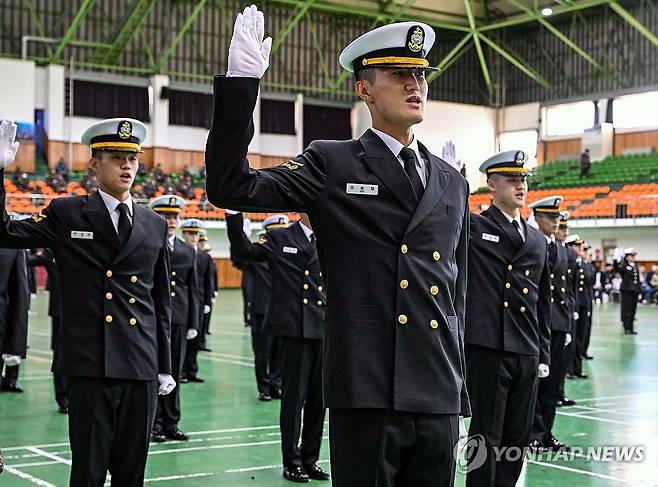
(110, 319)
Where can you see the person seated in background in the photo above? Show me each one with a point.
(55, 181)
(650, 285)
(143, 170)
(21, 179)
(158, 173)
(62, 169)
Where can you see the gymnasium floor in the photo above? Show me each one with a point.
(235, 440)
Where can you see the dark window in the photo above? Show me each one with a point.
(277, 117)
(190, 108)
(103, 100)
(326, 123)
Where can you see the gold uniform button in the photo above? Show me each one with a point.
(404, 284)
(506, 304)
(569, 271)
(507, 285)
(552, 300)
(305, 286)
(434, 290)
(306, 273)
(173, 273)
(131, 300)
(173, 294)
(509, 267)
(564, 278)
(319, 303)
(133, 279)
(552, 287)
(581, 282)
(522, 309)
(561, 302)
(525, 290)
(305, 301)
(108, 273)
(434, 324)
(580, 288)
(436, 256)
(527, 273)
(402, 319)
(563, 290)
(108, 319)
(320, 288)
(133, 322)
(108, 296)
(404, 249)
(552, 276)
(173, 283)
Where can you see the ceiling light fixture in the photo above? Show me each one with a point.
(546, 11)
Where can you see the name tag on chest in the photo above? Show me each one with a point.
(289, 250)
(361, 188)
(490, 238)
(82, 235)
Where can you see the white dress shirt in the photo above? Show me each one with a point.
(516, 218)
(396, 146)
(307, 231)
(111, 204)
(170, 241)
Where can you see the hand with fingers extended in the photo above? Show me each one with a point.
(8, 144)
(249, 54)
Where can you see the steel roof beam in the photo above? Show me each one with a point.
(636, 24)
(70, 32)
(181, 33)
(478, 47)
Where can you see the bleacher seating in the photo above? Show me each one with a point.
(634, 168)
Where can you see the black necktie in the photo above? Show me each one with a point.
(516, 226)
(312, 238)
(408, 156)
(552, 253)
(124, 223)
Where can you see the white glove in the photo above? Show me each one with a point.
(192, 334)
(576, 315)
(216, 294)
(167, 384)
(206, 309)
(11, 360)
(33, 296)
(231, 212)
(449, 154)
(542, 371)
(8, 146)
(567, 339)
(249, 54)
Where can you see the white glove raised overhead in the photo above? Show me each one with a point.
(543, 371)
(8, 144)
(567, 339)
(249, 54)
(192, 334)
(167, 384)
(11, 360)
(206, 309)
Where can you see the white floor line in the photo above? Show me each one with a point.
(49, 455)
(576, 470)
(262, 467)
(226, 361)
(35, 464)
(602, 420)
(180, 477)
(220, 447)
(623, 396)
(22, 378)
(28, 477)
(236, 357)
(627, 413)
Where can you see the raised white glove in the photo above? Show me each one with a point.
(249, 54)
(11, 360)
(231, 212)
(167, 384)
(449, 154)
(192, 334)
(8, 145)
(576, 315)
(567, 339)
(206, 309)
(542, 371)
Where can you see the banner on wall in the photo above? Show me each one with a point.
(24, 130)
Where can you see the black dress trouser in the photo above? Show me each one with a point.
(502, 388)
(267, 357)
(385, 448)
(628, 309)
(301, 374)
(168, 414)
(110, 424)
(59, 381)
(548, 391)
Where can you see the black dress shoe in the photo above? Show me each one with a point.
(205, 349)
(176, 434)
(264, 397)
(158, 436)
(315, 472)
(554, 444)
(194, 378)
(63, 410)
(568, 402)
(632, 333)
(276, 394)
(537, 446)
(582, 376)
(571, 376)
(183, 380)
(295, 474)
(559, 403)
(588, 357)
(11, 388)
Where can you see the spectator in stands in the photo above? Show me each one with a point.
(585, 164)
(55, 181)
(150, 187)
(21, 179)
(62, 169)
(462, 171)
(158, 173)
(650, 285)
(143, 170)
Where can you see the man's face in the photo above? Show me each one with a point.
(191, 238)
(173, 222)
(562, 234)
(630, 258)
(548, 224)
(115, 170)
(510, 191)
(396, 97)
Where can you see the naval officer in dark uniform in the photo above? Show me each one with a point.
(547, 216)
(204, 246)
(393, 371)
(114, 337)
(507, 319)
(184, 314)
(584, 293)
(295, 315)
(630, 288)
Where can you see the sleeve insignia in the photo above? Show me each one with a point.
(262, 239)
(39, 217)
(292, 164)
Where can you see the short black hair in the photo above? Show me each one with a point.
(96, 153)
(367, 74)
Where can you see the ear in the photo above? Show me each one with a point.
(362, 88)
(93, 164)
(491, 184)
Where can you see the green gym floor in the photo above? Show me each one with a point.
(235, 438)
